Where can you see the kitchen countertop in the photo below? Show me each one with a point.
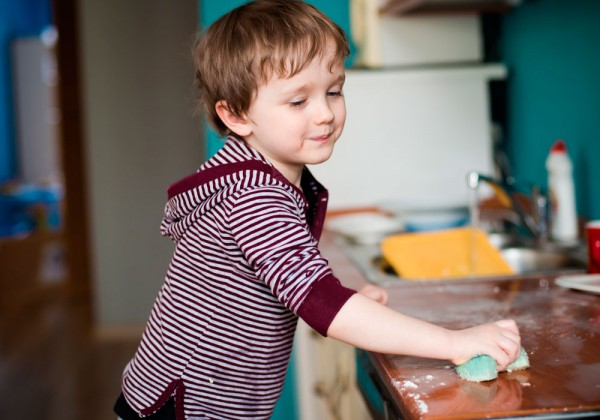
(560, 330)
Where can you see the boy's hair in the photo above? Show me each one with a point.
(247, 46)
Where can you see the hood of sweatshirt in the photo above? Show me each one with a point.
(196, 194)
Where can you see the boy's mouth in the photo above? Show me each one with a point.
(323, 137)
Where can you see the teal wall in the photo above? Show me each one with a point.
(552, 49)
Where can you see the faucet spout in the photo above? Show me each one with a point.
(535, 220)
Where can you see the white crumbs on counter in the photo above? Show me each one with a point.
(421, 405)
(423, 408)
(415, 397)
(403, 385)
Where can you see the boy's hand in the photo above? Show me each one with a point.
(376, 293)
(500, 340)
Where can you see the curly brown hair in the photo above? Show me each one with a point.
(247, 46)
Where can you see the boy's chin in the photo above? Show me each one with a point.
(320, 156)
(319, 159)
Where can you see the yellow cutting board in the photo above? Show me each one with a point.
(451, 253)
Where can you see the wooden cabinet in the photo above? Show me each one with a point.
(326, 378)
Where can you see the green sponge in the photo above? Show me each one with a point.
(478, 368)
(520, 363)
(483, 367)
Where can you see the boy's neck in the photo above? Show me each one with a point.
(293, 173)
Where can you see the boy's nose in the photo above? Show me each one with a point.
(324, 113)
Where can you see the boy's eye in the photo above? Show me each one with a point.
(334, 93)
(298, 103)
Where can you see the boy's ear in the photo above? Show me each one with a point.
(238, 125)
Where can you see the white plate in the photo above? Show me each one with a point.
(364, 228)
(586, 282)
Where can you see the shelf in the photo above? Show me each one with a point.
(488, 71)
(405, 7)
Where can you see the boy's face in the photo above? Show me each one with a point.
(296, 121)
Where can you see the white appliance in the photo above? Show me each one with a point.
(411, 136)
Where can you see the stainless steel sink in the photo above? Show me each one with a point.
(533, 260)
(524, 261)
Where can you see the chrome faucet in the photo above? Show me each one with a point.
(535, 220)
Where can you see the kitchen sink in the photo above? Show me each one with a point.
(524, 260)
(533, 260)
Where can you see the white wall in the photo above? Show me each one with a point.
(141, 136)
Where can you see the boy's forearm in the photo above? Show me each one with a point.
(369, 325)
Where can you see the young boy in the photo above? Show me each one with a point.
(246, 228)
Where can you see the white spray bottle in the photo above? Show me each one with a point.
(562, 194)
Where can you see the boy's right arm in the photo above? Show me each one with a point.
(369, 325)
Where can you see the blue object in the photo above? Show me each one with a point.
(29, 208)
(13, 218)
(431, 226)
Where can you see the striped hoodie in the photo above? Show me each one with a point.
(245, 266)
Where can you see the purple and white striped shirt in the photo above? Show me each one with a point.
(245, 265)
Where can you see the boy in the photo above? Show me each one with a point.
(246, 226)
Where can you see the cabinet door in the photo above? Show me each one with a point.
(326, 378)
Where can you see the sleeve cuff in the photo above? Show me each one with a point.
(323, 302)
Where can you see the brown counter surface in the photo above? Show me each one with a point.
(560, 329)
